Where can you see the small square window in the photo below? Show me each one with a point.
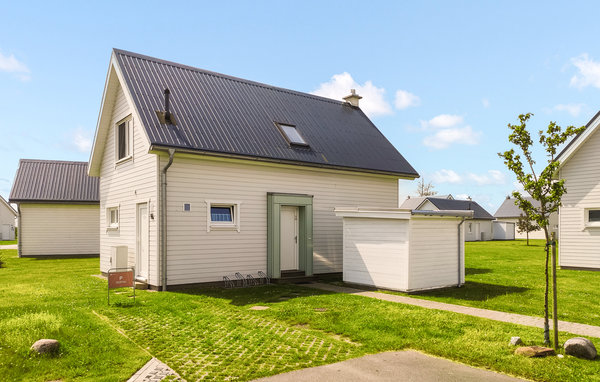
(222, 215)
(292, 135)
(112, 218)
(187, 207)
(594, 216)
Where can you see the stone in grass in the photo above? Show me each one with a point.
(580, 347)
(321, 309)
(534, 351)
(259, 307)
(515, 341)
(44, 346)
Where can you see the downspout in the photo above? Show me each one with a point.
(459, 253)
(19, 231)
(163, 220)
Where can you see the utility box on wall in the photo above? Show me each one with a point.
(119, 256)
(403, 250)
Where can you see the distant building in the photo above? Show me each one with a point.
(509, 212)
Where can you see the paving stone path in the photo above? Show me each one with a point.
(538, 322)
(154, 371)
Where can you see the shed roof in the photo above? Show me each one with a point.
(220, 114)
(445, 204)
(508, 208)
(54, 182)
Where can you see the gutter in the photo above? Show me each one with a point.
(163, 220)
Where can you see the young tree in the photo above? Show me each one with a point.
(425, 189)
(542, 186)
(525, 224)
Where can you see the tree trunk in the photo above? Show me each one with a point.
(554, 294)
(527, 232)
(546, 323)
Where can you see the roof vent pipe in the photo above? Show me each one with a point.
(167, 112)
(353, 98)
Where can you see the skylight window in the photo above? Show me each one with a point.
(292, 135)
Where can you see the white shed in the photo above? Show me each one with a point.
(504, 230)
(8, 217)
(403, 250)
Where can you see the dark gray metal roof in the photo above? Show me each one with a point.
(220, 114)
(54, 181)
(509, 209)
(461, 205)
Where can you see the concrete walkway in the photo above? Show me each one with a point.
(406, 366)
(538, 322)
(154, 371)
(9, 246)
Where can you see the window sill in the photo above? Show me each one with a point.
(126, 159)
(591, 225)
(223, 227)
(112, 228)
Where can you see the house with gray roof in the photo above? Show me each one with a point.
(579, 214)
(204, 175)
(509, 212)
(8, 217)
(478, 228)
(58, 207)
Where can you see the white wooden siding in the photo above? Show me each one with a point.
(7, 217)
(376, 252)
(579, 246)
(195, 255)
(434, 253)
(485, 227)
(59, 229)
(124, 185)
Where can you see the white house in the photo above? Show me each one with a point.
(509, 212)
(58, 211)
(478, 228)
(203, 175)
(8, 217)
(579, 215)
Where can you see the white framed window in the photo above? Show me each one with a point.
(222, 215)
(592, 217)
(123, 139)
(112, 218)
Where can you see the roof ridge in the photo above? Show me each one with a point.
(227, 77)
(51, 161)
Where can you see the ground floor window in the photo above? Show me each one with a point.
(222, 215)
(592, 217)
(112, 217)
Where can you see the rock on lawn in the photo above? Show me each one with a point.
(580, 347)
(534, 351)
(45, 346)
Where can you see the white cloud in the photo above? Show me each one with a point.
(445, 137)
(446, 176)
(80, 140)
(491, 177)
(443, 121)
(461, 196)
(373, 102)
(10, 64)
(589, 72)
(485, 102)
(405, 100)
(572, 108)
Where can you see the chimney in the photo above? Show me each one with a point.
(353, 98)
(166, 117)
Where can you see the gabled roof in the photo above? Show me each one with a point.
(412, 203)
(8, 206)
(217, 114)
(508, 208)
(54, 182)
(578, 140)
(444, 204)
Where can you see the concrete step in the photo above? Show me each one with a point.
(294, 280)
(140, 285)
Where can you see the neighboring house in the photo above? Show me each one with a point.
(478, 228)
(222, 175)
(579, 215)
(509, 212)
(8, 217)
(58, 208)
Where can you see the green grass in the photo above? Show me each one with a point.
(55, 299)
(509, 276)
(8, 242)
(212, 334)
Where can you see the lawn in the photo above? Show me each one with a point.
(212, 334)
(509, 276)
(8, 242)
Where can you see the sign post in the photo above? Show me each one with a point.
(121, 278)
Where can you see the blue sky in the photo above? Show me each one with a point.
(440, 79)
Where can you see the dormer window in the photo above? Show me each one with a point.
(292, 135)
